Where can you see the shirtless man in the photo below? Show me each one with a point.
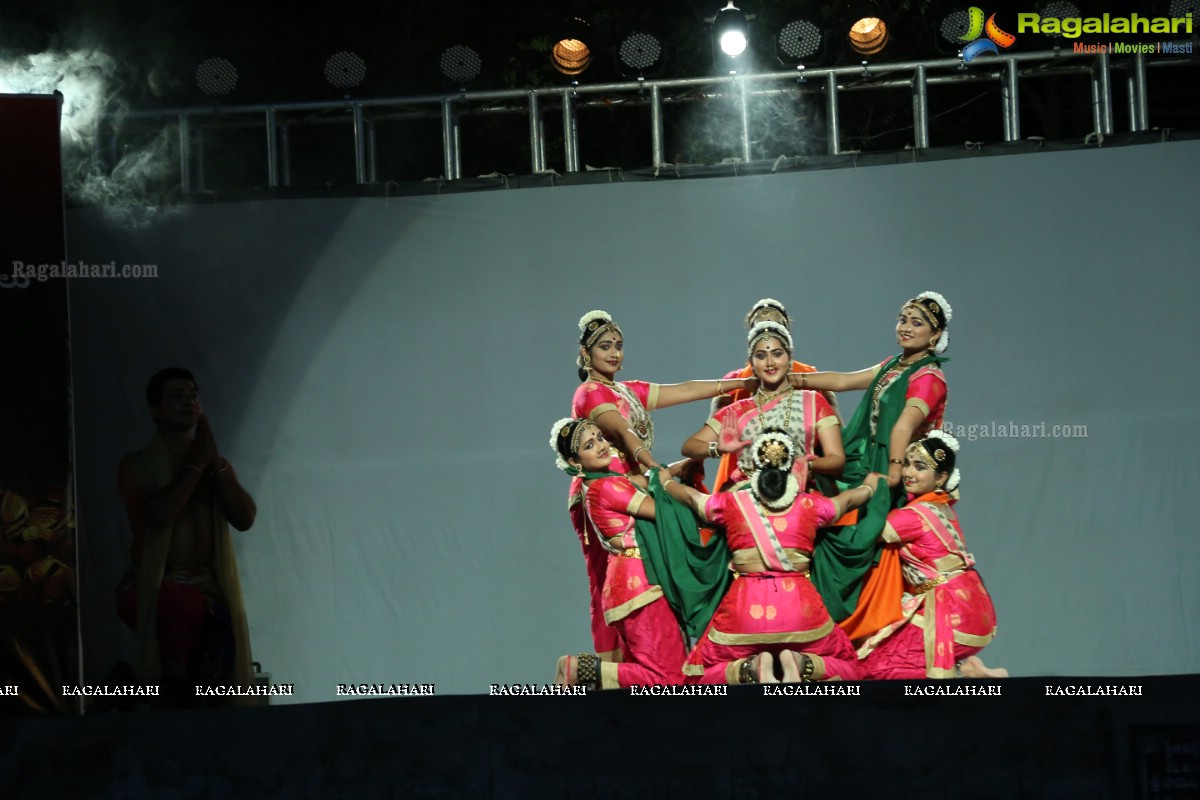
(181, 496)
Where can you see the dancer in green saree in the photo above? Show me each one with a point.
(905, 399)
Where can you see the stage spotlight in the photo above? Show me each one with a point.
(345, 70)
(1180, 8)
(799, 41)
(571, 54)
(461, 64)
(953, 30)
(731, 31)
(639, 54)
(1060, 9)
(867, 29)
(216, 77)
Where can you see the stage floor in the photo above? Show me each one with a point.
(1017, 738)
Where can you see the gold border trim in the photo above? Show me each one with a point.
(827, 422)
(917, 403)
(720, 637)
(595, 413)
(651, 397)
(608, 675)
(644, 599)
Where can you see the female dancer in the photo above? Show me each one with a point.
(766, 310)
(621, 410)
(948, 615)
(771, 610)
(905, 399)
(653, 643)
(803, 415)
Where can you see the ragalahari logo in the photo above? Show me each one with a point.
(976, 27)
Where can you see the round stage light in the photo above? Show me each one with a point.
(571, 56)
(461, 64)
(955, 26)
(639, 52)
(868, 35)
(216, 77)
(1180, 8)
(800, 40)
(731, 30)
(571, 53)
(345, 70)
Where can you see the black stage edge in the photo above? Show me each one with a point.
(1034, 739)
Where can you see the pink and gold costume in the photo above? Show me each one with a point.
(948, 614)
(771, 606)
(729, 460)
(590, 401)
(633, 400)
(605, 639)
(926, 391)
(654, 649)
(802, 414)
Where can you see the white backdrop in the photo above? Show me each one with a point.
(384, 373)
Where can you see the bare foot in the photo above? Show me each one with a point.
(973, 667)
(764, 671)
(791, 666)
(563, 671)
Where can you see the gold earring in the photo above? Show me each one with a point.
(587, 360)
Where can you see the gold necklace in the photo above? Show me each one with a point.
(901, 365)
(762, 397)
(787, 414)
(596, 377)
(639, 418)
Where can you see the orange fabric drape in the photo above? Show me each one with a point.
(879, 603)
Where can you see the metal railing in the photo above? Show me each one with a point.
(538, 104)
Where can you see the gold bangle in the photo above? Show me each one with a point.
(224, 467)
(896, 461)
(803, 380)
(197, 469)
(719, 382)
(870, 491)
(713, 451)
(635, 452)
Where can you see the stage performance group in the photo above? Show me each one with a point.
(819, 550)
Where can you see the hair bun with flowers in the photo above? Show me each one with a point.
(592, 316)
(774, 484)
(951, 444)
(763, 305)
(556, 433)
(937, 304)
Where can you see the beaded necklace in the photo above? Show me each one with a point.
(745, 460)
(639, 418)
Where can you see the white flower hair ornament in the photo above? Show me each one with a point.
(941, 301)
(768, 302)
(947, 312)
(555, 432)
(769, 329)
(955, 478)
(591, 316)
(773, 448)
(950, 441)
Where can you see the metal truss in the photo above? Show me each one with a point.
(540, 106)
